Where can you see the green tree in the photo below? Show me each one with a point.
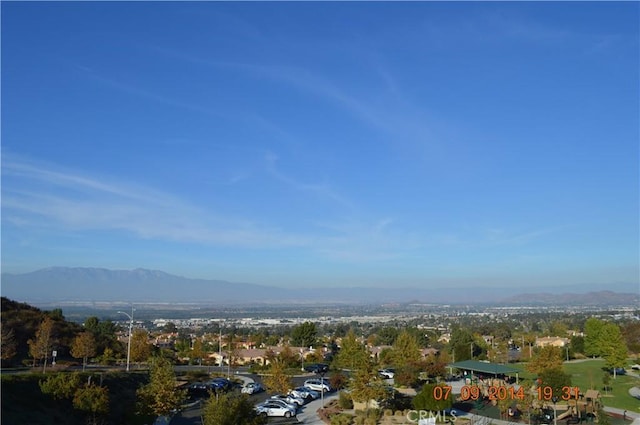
(386, 336)
(405, 350)
(555, 378)
(94, 400)
(461, 344)
(197, 352)
(577, 344)
(592, 329)
(546, 358)
(631, 334)
(367, 385)
(60, 385)
(160, 396)
(304, 335)
(228, 409)
(352, 355)
(278, 380)
(170, 327)
(83, 347)
(427, 399)
(41, 345)
(612, 347)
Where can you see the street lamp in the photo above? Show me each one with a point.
(302, 359)
(321, 388)
(130, 330)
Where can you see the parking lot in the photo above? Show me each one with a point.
(192, 415)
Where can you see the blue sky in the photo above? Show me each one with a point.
(414, 144)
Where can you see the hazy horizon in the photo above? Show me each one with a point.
(300, 144)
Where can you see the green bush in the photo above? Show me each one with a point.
(373, 414)
(345, 401)
(388, 412)
(341, 419)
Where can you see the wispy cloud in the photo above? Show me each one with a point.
(41, 194)
(321, 190)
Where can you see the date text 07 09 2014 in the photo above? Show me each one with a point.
(442, 392)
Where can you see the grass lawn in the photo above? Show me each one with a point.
(588, 375)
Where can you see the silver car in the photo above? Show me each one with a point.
(269, 408)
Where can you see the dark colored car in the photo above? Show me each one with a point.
(317, 368)
(221, 384)
(198, 390)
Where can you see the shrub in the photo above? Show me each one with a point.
(341, 419)
(388, 412)
(345, 401)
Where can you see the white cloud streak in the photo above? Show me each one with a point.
(38, 192)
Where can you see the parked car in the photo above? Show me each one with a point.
(317, 368)
(305, 393)
(252, 388)
(198, 390)
(387, 373)
(223, 384)
(270, 408)
(290, 399)
(635, 367)
(318, 384)
(283, 403)
(618, 371)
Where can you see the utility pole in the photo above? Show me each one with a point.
(220, 349)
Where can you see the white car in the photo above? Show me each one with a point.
(290, 399)
(252, 388)
(318, 385)
(269, 408)
(305, 393)
(282, 403)
(387, 373)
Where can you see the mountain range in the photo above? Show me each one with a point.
(83, 284)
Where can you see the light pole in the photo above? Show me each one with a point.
(130, 330)
(302, 359)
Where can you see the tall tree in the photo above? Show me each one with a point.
(41, 345)
(612, 347)
(405, 350)
(230, 409)
(367, 385)
(197, 352)
(546, 358)
(304, 335)
(140, 347)
(462, 344)
(592, 330)
(160, 396)
(83, 347)
(631, 334)
(352, 355)
(278, 380)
